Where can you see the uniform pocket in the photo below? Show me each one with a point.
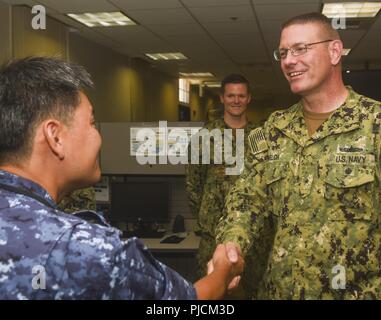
(349, 190)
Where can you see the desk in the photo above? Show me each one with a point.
(179, 256)
(189, 244)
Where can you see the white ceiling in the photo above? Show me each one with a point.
(218, 36)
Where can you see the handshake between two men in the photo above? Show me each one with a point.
(226, 265)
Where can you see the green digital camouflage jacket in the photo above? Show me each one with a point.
(82, 199)
(324, 193)
(207, 187)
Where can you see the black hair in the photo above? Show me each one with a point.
(32, 89)
(234, 78)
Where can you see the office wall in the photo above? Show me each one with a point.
(154, 94)
(200, 105)
(165, 97)
(126, 89)
(365, 82)
(5, 32)
(111, 73)
(260, 110)
(26, 41)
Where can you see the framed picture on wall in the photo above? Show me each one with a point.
(184, 113)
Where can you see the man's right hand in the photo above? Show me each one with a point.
(232, 252)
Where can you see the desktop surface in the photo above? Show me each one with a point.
(190, 243)
(172, 239)
(143, 233)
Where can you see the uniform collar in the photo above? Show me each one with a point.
(25, 185)
(345, 118)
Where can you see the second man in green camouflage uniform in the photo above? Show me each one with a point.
(208, 185)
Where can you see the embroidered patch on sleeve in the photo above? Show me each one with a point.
(257, 141)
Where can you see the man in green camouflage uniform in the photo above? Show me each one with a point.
(208, 185)
(322, 185)
(82, 199)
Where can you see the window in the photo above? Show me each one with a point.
(184, 88)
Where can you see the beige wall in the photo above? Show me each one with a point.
(154, 94)
(5, 33)
(27, 42)
(111, 73)
(200, 105)
(260, 110)
(198, 110)
(126, 89)
(164, 98)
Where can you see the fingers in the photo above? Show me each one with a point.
(210, 267)
(234, 283)
(232, 252)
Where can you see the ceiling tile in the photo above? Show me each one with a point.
(145, 4)
(232, 27)
(75, 6)
(223, 14)
(161, 16)
(351, 37)
(214, 3)
(136, 37)
(283, 11)
(20, 2)
(288, 1)
(183, 29)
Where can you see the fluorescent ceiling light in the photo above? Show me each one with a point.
(196, 74)
(351, 9)
(166, 56)
(346, 52)
(212, 84)
(102, 19)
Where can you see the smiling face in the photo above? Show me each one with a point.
(308, 72)
(235, 99)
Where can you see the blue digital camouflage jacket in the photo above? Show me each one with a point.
(47, 254)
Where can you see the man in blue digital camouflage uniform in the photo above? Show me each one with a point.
(48, 148)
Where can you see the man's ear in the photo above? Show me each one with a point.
(221, 98)
(53, 131)
(335, 51)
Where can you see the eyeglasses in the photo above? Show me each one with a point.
(296, 50)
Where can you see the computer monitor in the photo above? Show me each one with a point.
(146, 201)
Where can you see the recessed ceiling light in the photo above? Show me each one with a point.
(196, 74)
(345, 51)
(348, 71)
(212, 84)
(102, 19)
(166, 56)
(351, 9)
